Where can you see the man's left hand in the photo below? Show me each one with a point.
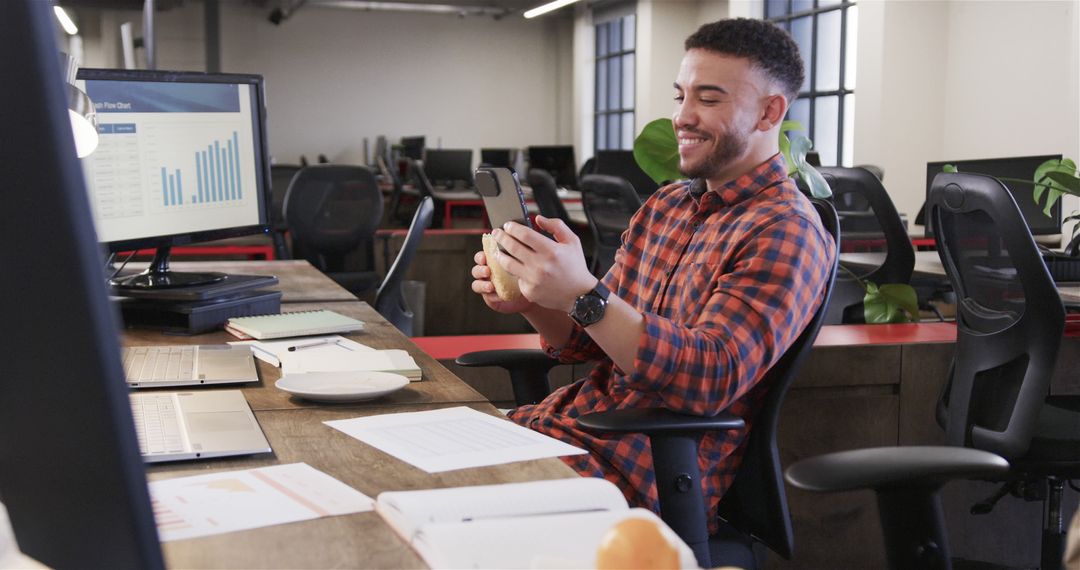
(551, 273)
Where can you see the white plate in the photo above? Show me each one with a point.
(342, 386)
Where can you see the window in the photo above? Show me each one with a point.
(825, 31)
(614, 119)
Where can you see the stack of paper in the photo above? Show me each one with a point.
(333, 354)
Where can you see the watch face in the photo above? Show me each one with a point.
(589, 309)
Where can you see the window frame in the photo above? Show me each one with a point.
(609, 57)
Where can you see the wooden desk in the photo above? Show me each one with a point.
(298, 281)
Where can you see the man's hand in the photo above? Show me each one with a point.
(482, 284)
(551, 274)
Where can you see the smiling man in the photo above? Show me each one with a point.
(715, 279)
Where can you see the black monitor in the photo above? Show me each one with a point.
(503, 157)
(412, 147)
(1019, 168)
(71, 475)
(558, 161)
(182, 159)
(444, 167)
(621, 163)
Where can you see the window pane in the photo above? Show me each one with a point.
(601, 132)
(613, 132)
(825, 3)
(849, 130)
(802, 32)
(601, 39)
(775, 8)
(628, 81)
(615, 37)
(601, 85)
(801, 6)
(850, 50)
(628, 32)
(827, 65)
(627, 131)
(614, 83)
(800, 111)
(826, 121)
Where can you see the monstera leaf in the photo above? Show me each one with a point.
(890, 303)
(657, 152)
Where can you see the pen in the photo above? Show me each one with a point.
(311, 344)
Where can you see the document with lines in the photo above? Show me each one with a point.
(452, 438)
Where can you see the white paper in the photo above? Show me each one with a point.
(452, 438)
(216, 503)
(276, 352)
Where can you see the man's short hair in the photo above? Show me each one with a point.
(767, 46)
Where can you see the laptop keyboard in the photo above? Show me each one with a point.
(156, 423)
(159, 363)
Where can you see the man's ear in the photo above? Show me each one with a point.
(772, 114)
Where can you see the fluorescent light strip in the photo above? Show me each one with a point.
(65, 21)
(410, 7)
(541, 10)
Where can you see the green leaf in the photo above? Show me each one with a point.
(656, 151)
(890, 303)
(1069, 182)
(949, 168)
(819, 188)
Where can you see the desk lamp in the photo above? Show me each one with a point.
(84, 124)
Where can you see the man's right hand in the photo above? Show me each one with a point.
(482, 285)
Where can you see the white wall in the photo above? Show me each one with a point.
(662, 28)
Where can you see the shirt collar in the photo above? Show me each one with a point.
(762, 176)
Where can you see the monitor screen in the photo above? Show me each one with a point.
(1020, 168)
(503, 157)
(622, 163)
(71, 476)
(558, 161)
(412, 147)
(447, 166)
(182, 157)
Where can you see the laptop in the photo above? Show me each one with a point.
(174, 426)
(190, 365)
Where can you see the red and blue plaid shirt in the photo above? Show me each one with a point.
(726, 281)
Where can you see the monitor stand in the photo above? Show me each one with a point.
(158, 276)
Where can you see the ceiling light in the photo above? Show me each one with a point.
(65, 21)
(411, 7)
(541, 10)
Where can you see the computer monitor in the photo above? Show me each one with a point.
(1019, 168)
(558, 161)
(412, 147)
(444, 167)
(71, 475)
(503, 157)
(621, 163)
(182, 159)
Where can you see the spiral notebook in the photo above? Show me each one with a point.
(301, 323)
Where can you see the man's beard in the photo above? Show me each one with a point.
(731, 146)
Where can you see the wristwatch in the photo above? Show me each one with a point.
(589, 308)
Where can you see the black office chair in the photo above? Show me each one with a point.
(587, 167)
(546, 195)
(427, 190)
(281, 176)
(390, 298)
(755, 507)
(867, 215)
(609, 203)
(622, 163)
(333, 211)
(395, 212)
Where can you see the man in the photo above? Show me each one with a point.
(715, 279)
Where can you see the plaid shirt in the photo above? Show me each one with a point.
(726, 281)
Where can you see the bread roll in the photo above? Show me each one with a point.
(636, 543)
(506, 285)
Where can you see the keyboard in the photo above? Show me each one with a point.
(157, 424)
(159, 363)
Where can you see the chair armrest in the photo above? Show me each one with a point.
(508, 358)
(656, 420)
(893, 467)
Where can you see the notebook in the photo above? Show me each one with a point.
(172, 426)
(161, 366)
(302, 323)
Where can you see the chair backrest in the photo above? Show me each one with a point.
(281, 176)
(423, 184)
(609, 203)
(1009, 315)
(622, 163)
(756, 503)
(331, 211)
(390, 298)
(867, 216)
(546, 195)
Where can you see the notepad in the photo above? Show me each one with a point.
(302, 323)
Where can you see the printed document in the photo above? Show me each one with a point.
(452, 438)
(216, 503)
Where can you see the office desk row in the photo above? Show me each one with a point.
(295, 430)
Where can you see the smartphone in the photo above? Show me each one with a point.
(501, 192)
